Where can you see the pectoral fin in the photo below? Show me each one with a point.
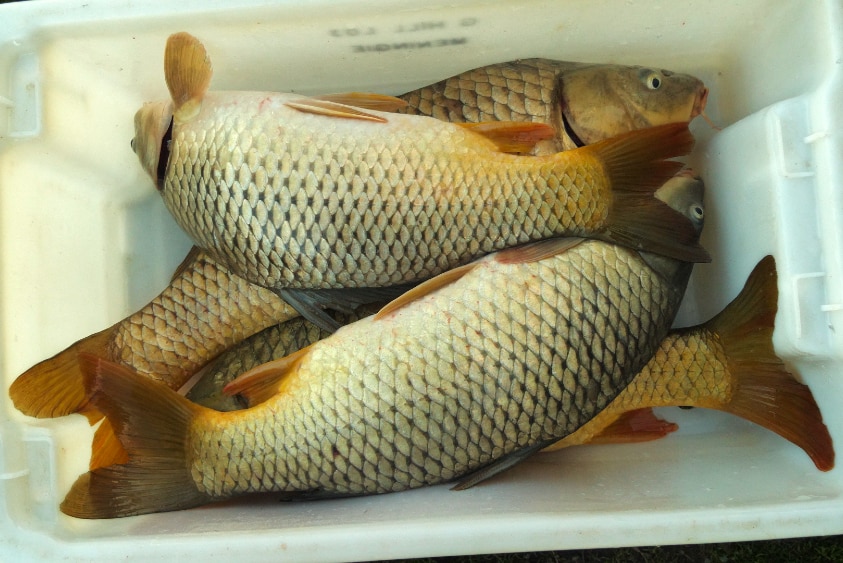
(262, 382)
(328, 108)
(512, 136)
(498, 466)
(311, 303)
(365, 100)
(187, 71)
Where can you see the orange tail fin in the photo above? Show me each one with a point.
(54, 387)
(152, 422)
(106, 448)
(766, 393)
(637, 166)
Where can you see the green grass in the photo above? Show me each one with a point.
(799, 550)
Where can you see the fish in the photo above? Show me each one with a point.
(305, 196)
(459, 379)
(204, 310)
(728, 364)
(584, 103)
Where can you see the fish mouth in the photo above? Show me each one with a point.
(699, 103)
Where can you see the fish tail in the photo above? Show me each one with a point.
(106, 448)
(152, 423)
(636, 165)
(765, 392)
(55, 386)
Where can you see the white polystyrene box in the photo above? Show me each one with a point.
(85, 240)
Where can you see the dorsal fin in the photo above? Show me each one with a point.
(512, 136)
(535, 251)
(332, 109)
(424, 289)
(187, 71)
(365, 100)
(260, 383)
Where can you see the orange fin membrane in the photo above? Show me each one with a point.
(766, 392)
(54, 387)
(263, 382)
(635, 163)
(640, 425)
(106, 449)
(512, 136)
(152, 422)
(187, 71)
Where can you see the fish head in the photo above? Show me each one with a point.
(151, 142)
(601, 101)
(683, 193)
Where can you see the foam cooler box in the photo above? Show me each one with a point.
(86, 240)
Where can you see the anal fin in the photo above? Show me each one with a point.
(640, 425)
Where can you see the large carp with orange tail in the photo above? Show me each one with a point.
(307, 196)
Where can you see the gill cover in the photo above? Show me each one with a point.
(152, 124)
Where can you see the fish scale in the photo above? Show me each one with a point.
(219, 308)
(284, 238)
(348, 416)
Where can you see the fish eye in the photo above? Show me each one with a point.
(653, 79)
(697, 212)
(653, 82)
(132, 144)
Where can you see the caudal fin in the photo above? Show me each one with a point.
(152, 423)
(765, 392)
(54, 387)
(637, 166)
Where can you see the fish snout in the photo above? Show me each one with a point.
(700, 102)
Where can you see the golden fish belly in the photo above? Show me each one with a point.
(509, 356)
(293, 200)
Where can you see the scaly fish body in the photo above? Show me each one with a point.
(292, 200)
(203, 311)
(299, 194)
(727, 364)
(525, 347)
(584, 103)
